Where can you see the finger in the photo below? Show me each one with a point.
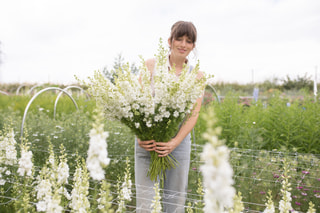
(161, 144)
(149, 147)
(148, 142)
(164, 154)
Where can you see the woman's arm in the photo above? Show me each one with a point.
(164, 148)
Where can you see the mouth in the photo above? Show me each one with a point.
(181, 50)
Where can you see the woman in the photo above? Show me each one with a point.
(181, 42)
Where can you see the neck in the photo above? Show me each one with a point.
(178, 62)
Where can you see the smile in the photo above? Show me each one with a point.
(182, 50)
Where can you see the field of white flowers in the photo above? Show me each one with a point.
(256, 157)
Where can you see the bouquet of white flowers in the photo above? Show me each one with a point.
(153, 108)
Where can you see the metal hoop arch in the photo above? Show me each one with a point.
(17, 92)
(35, 86)
(5, 93)
(36, 95)
(214, 91)
(57, 99)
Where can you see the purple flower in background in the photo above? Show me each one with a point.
(293, 196)
(297, 203)
(262, 192)
(276, 176)
(299, 187)
(305, 172)
(304, 194)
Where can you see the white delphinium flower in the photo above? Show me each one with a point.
(50, 180)
(2, 181)
(311, 208)
(97, 153)
(43, 189)
(121, 201)
(176, 114)
(124, 192)
(25, 161)
(41, 206)
(105, 198)
(126, 188)
(149, 124)
(270, 205)
(65, 192)
(217, 175)
(54, 204)
(285, 202)
(79, 200)
(238, 206)
(8, 153)
(216, 170)
(127, 184)
(156, 204)
(51, 160)
(63, 171)
(10, 148)
(121, 206)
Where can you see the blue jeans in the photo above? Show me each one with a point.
(175, 185)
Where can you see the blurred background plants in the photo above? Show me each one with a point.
(280, 124)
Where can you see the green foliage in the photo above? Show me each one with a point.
(284, 85)
(278, 123)
(118, 64)
(264, 125)
(303, 82)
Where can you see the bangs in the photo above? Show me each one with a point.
(184, 29)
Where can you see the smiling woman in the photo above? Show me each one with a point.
(181, 42)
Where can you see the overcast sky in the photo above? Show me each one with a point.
(238, 40)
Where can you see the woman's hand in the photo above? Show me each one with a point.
(165, 148)
(147, 145)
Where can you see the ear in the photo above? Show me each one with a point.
(194, 45)
(169, 42)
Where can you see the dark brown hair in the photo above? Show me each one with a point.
(182, 28)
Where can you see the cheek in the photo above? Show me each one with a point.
(191, 46)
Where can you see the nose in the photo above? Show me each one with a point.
(183, 43)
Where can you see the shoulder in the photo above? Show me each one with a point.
(150, 63)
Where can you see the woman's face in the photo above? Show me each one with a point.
(181, 46)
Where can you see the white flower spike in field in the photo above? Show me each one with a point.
(25, 162)
(8, 153)
(217, 171)
(97, 154)
(79, 194)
